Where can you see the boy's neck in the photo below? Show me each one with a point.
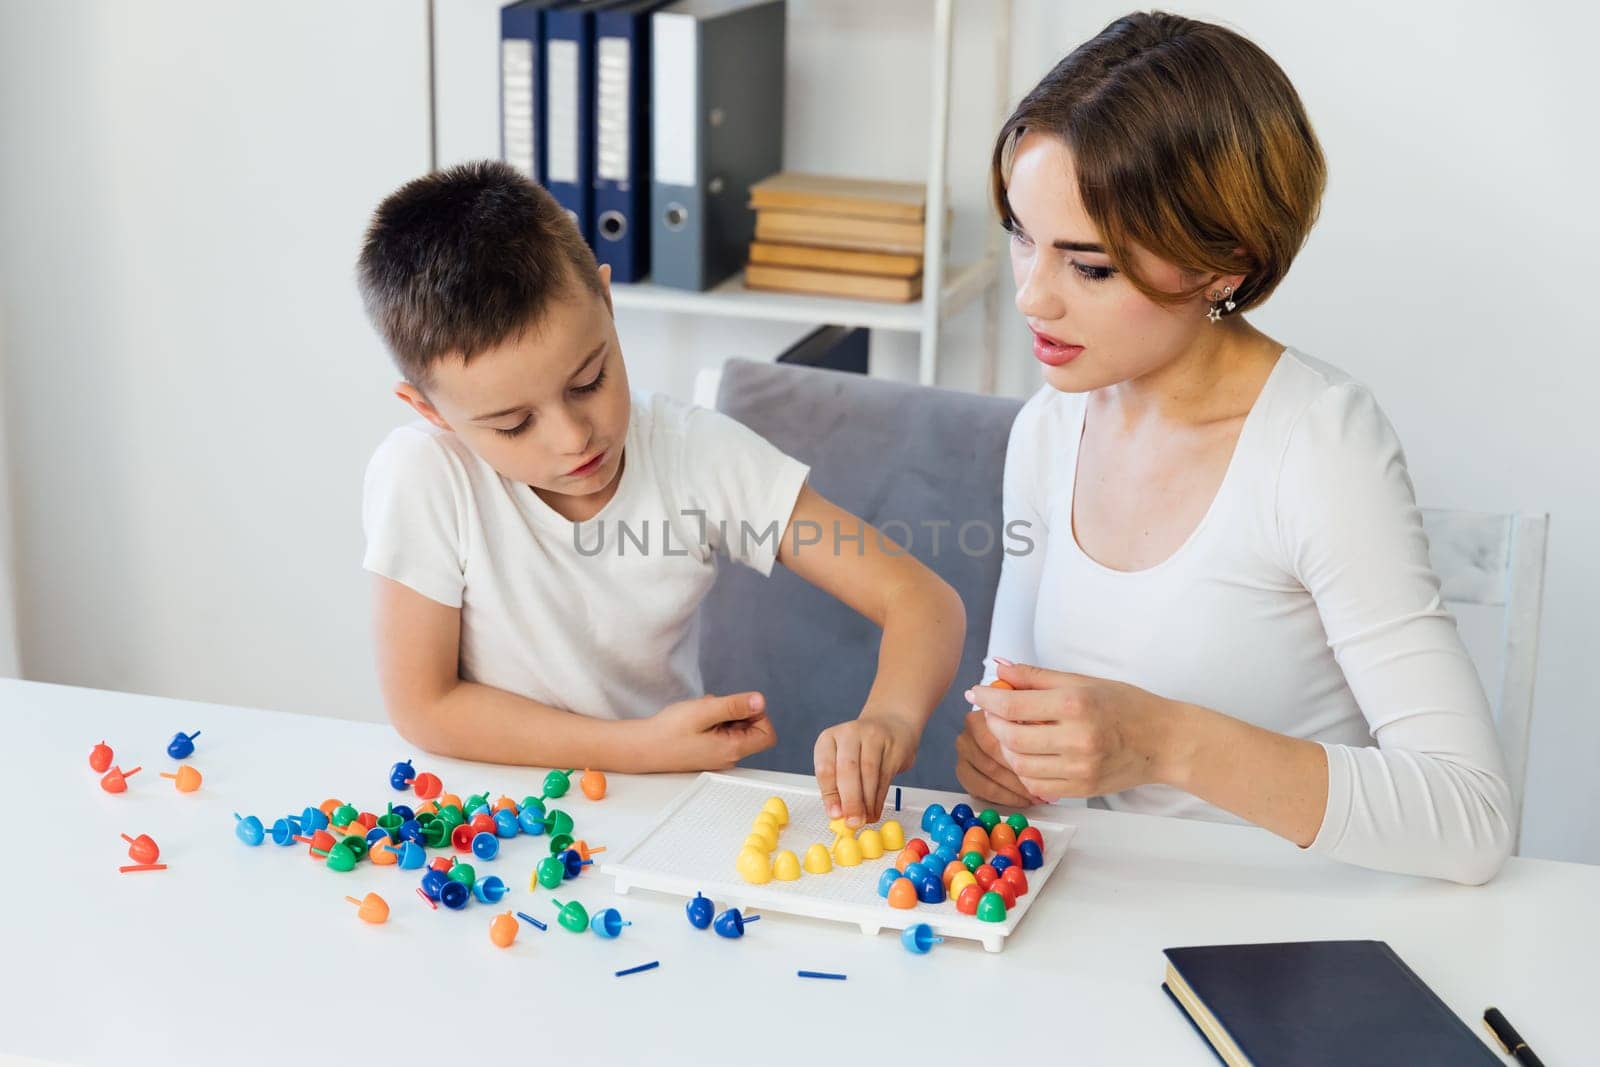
(583, 508)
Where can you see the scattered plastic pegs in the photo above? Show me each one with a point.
(410, 855)
(401, 775)
(572, 916)
(485, 846)
(531, 820)
(285, 830)
(312, 820)
(341, 857)
(464, 873)
(187, 779)
(142, 849)
(427, 786)
(560, 843)
(432, 883)
(593, 784)
(918, 939)
(556, 783)
(506, 824)
(572, 864)
(100, 758)
(372, 908)
(503, 929)
(247, 828)
(454, 895)
(116, 779)
(699, 912)
(489, 890)
(558, 822)
(731, 924)
(550, 873)
(182, 745)
(608, 922)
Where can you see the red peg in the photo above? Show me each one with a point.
(1031, 834)
(100, 758)
(1013, 877)
(986, 876)
(116, 779)
(427, 786)
(142, 849)
(321, 842)
(143, 867)
(443, 863)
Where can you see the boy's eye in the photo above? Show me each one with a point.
(596, 382)
(517, 429)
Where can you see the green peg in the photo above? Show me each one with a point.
(390, 823)
(344, 815)
(560, 843)
(463, 873)
(972, 860)
(1017, 821)
(990, 819)
(536, 803)
(574, 918)
(339, 857)
(556, 783)
(992, 908)
(551, 871)
(356, 844)
(557, 822)
(437, 833)
(475, 800)
(425, 817)
(452, 815)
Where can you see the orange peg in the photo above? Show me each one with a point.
(187, 779)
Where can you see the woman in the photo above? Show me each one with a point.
(1229, 582)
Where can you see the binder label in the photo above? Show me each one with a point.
(675, 78)
(612, 58)
(517, 120)
(561, 70)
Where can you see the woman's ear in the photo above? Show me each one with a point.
(420, 403)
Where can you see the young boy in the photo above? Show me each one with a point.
(543, 540)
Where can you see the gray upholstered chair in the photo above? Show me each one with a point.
(892, 454)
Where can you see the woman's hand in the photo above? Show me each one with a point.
(856, 760)
(981, 768)
(1067, 735)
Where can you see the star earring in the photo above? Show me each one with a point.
(1220, 302)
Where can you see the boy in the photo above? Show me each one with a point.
(541, 542)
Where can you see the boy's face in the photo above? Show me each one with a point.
(548, 408)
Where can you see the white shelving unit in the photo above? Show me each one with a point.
(947, 289)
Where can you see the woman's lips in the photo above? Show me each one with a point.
(1053, 353)
(588, 468)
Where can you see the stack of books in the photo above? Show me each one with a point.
(837, 237)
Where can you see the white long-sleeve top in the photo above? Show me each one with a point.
(1303, 602)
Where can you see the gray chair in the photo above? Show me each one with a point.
(892, 454)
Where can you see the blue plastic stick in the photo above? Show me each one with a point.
(652, 965)
(896, 798)
(529, 918)
(821, 974)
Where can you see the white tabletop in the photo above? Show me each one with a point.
(242, 956)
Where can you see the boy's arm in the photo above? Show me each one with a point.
(418, 643)
(924, 625)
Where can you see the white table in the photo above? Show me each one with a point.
(244, 956)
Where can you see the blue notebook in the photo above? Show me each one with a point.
(1317, 1004)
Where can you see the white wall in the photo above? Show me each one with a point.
(192, 391)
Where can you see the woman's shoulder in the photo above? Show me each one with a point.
(1309, 403)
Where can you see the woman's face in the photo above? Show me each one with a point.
(1091, 327)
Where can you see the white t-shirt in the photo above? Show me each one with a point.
(1303, 602)
(598, 618)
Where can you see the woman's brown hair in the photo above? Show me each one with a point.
(1189, 141)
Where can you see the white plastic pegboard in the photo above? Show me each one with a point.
(692, 845)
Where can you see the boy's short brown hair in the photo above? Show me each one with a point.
(1189, 141)
(460, 260)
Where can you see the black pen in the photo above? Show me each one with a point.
(1509, 1039)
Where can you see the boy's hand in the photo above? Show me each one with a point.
(710, 733)
(856, 761)
(982, 770)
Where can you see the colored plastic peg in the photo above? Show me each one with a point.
(1017, 821)
(786, 866)
(932, 814)
(1008, 895)
(432, 882)
(143, 867)
(319, 842)
(958, 883)
(505, 803)
(903, 894)
(962, 814)
(986, 875)
(463, 873)
(506, 824)
(699, 911)
(778, 809)
(340, 857)
(817, 860)
(371, 908)
(489, 890)
(950, 836)
(142, 849)
(531, 820)
(343, 815)
(476, 801)
(572, 916)
(583, 848)
(409, 855)
(992, 908)
(410, 830)
(951, 869)
(356, 844)
(1003, 836)
(482, 822)
(976, 839)
(731, 924)
(503, 929)
(560, 843)
(918, 846)
(454, 895)
(329, 806)
(608, 922)
(182, 745)
(886, 881)
(556, 783)
(1013, 877)
(285, 830)
(449, 800)
(100, 758)
(525, 917)
(401, 775)
(918, 939)
(593, 784)
(572, 864)
(1032, 855)
(391, 823)
(485, 846)
(442, 863)
(427, 786)
(972, 860)
(1000, 863)
(930, 891)
(312, 820)
(1009, 852)
(247, 828)
(382, 853)
(967, 902)
(894, 836)
(989, 817)
(535, 804)
(375, 837)
(461, 838)
(436, 834)
(550, 872)
(558, 822)
(1030, 833)
(871, 842)
(187, 779)
(116, 779)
